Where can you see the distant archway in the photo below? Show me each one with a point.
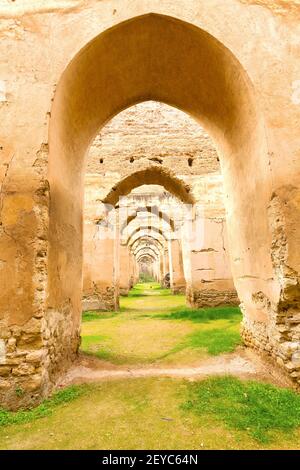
(146, 256)
(146, 248)
(151, 175)
(146, 229)
(146, 238)
(154, 210)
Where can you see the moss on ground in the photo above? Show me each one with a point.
(161, 413)
(259, 409)
(156, 327)
(44, 409)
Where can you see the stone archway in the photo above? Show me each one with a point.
(151, 175)
(147, 238)
(146, 250)
(147, 263)
(182, 65)
(152, 210)
(152, 233)
(179, 64)
(103, 286)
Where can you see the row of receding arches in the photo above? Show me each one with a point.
(178, 64)
(160, 58)
(147, 232)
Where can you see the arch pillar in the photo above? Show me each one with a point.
(211, 282)
(179, 284)
(99, 293)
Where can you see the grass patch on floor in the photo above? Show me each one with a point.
(148, 289)
(136, 350)
(88, 341)
(158, 328)
(44, 409)
(92, 315)
(204, 315)
(212, 341)
(99, 346)
(216, 341)
(162, 413)
(259, 409)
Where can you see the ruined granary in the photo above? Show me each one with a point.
(147, 138)
(98, 99)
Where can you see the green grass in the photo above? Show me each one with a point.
(89, 341)
(155, 326)
(145, 278)
(216, 341)
(44, 409)
(213, 341)
(256, 408)
(159, 413)
(95, 345)
(91, 315)
(147, 289)
(204, 315)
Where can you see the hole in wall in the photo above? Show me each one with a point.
(156, 160)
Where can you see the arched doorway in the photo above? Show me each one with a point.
(181, 65)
